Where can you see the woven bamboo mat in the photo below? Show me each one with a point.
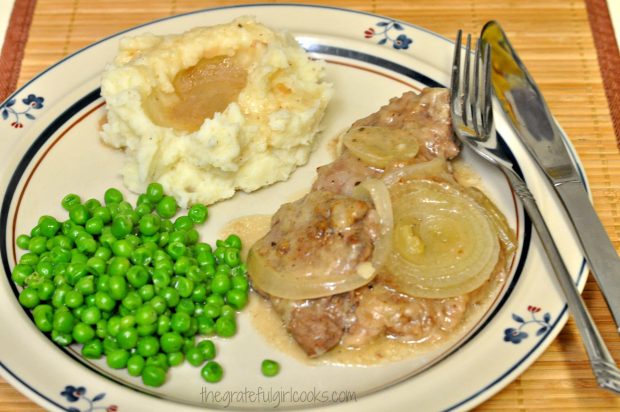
(555, 41)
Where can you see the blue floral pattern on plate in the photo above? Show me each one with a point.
(8, 110)
(385, 32)
(516, 335)
(75, 393)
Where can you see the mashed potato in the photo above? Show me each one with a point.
(213, 110)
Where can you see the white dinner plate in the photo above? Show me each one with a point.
(51, 147)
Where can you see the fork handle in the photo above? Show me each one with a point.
(603, 365)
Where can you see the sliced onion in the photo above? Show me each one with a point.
(379, 146)
(376, 191)
(302, 285)
(505, 233)
(460, 243)
(434, 169)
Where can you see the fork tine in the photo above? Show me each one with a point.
(466, 96)
(456, 73)
(486, 107)
(476, 102)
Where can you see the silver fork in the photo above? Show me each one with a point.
(472, 120)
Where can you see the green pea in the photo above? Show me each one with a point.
(206, 325)
(86, 245)
(112, 195)
(121, 226)
(175, 358)
(180, 322)
(186, 306)
(29, 259)
(148, 346)
(194, 356)
(237, 298)
(61, 338)
(83, 333)
(146, 292)
(233, 241)
(73, 299)
(91, 315)
(92, 349)
(86, 285)
(122, 248)
(182, 265)
(184, 286)
(167, 207)
(70, 201)
(161, 278)
(102, 213)
(135, 365)
(154, 192)
(92, 205)
(132, 300)
(20, 273)
(178, 236)
(79, 214)
(227, 310)
(117, 287)
(270, 368)
(118, 266)
(220, 284)
(171, 296)
(175, 249)
(149, 224)
(195, 274)
(22, 241)
(37, 244)
(232, 257)
(163, 324)
(212, 372)
(48, 226)
(215, 300)
(147, 330)
(117, 359)
(159, 304)
(207, 348)
(94, 225)
(104, 301)
(101, 328)
(199, 295)
(75, 271)
(58, 298)
(29, 298)
(198, 213)
(103, 253)
(141, 256)
(225, 326)
(46, 290)
(127, 322)
(153, 376)
(109, 345)
(143, 209)
(171, 342)
(127, 338)
(146, 315)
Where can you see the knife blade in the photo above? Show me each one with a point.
(529, 116)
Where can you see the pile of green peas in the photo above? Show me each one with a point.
(131, 284)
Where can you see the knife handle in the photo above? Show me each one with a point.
(595, 243)
(603, 365)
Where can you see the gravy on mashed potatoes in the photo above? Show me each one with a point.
(213, 110)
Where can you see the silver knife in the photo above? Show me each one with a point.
(530, 117)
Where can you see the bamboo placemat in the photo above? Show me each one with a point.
(555, 41)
